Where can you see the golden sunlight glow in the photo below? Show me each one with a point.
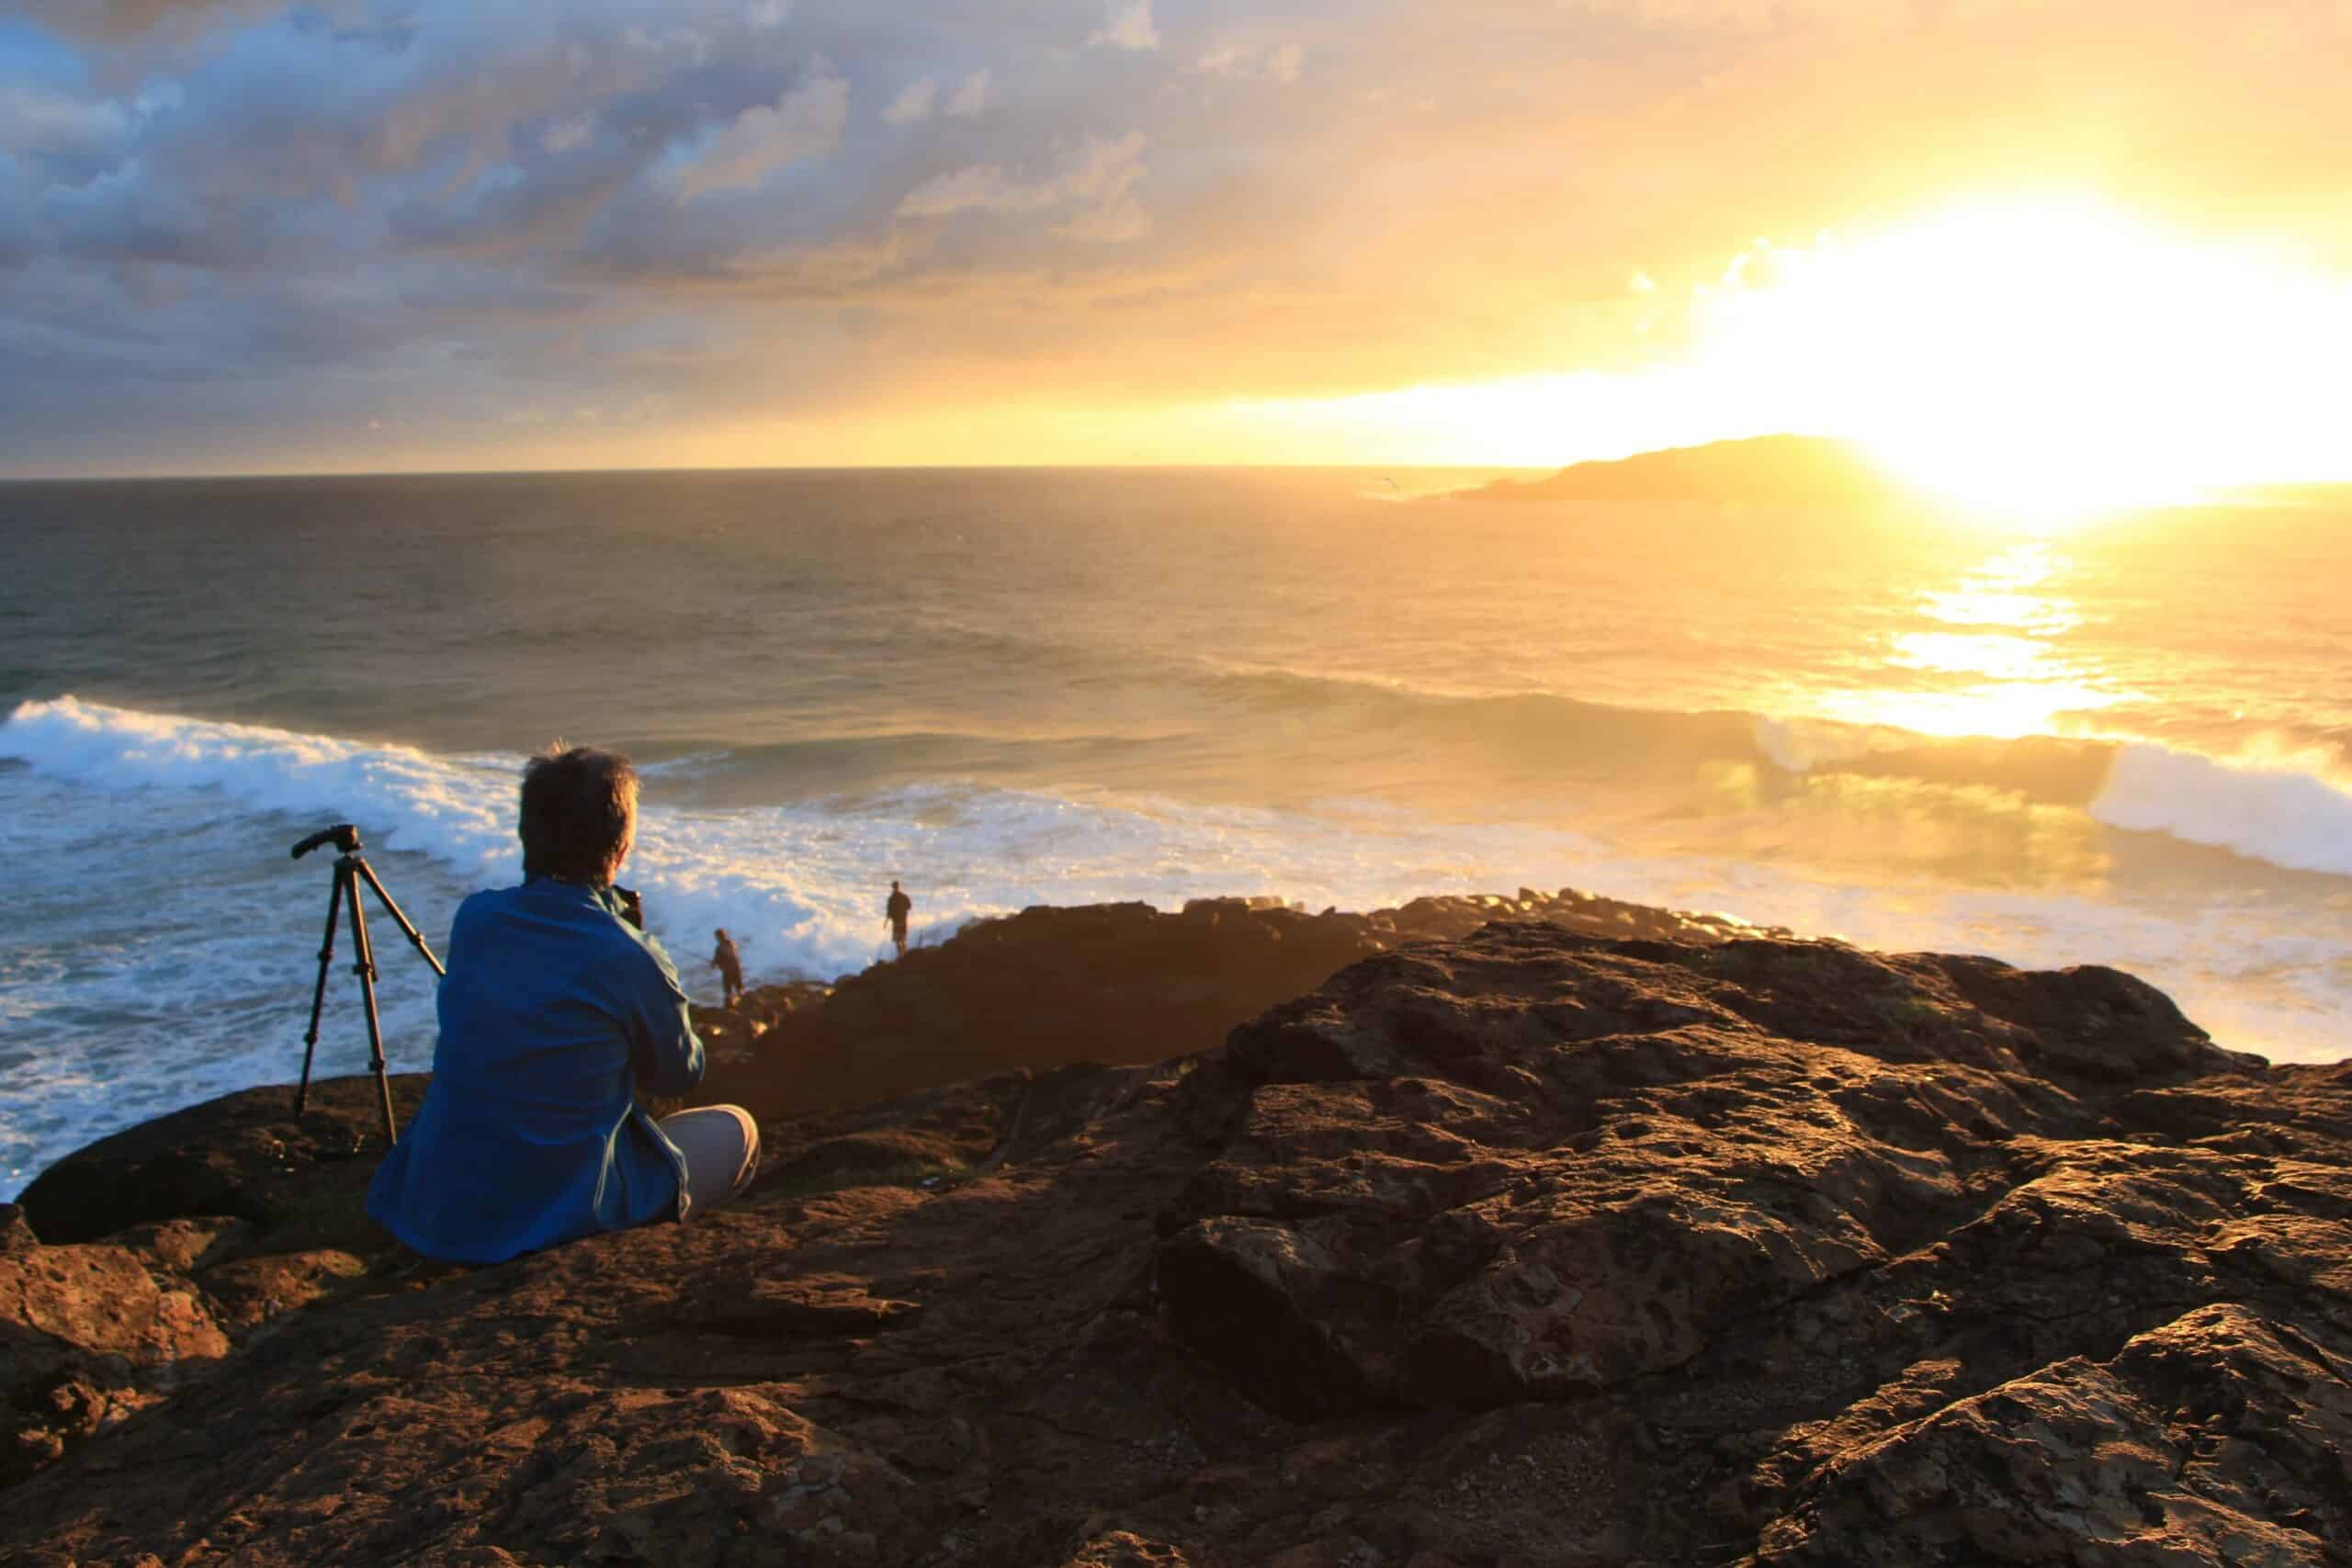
(2032, 360)
(1999, 670)
(2043, 358)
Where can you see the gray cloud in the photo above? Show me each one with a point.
(912, 105)
(118, 20)
(805, 122)
(427, 211)
(1129, 26)
(492, 169)
(972, 96)
(1096, 170)
(1277, 62)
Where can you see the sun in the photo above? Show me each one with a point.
(2029, 360)
(2037, 359)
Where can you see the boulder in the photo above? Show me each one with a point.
(245, 1154)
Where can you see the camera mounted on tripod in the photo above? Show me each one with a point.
(342, 835)
(351, 868)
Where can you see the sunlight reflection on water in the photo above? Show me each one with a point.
(2005, 677)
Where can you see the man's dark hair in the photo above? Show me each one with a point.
(576, 808)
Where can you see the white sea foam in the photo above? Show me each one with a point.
(133, 981)
(798, 884)
(144, 981)
(1799, 745)
(2290, 809)
(446, 807)
(2277, 811)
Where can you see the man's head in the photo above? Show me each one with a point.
(894, 885)
(579, 815)
(721, 933)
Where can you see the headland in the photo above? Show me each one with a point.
(1763, 470)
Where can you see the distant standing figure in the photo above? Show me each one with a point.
(731, 967)
(897, 910)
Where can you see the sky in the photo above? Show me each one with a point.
(413, 234)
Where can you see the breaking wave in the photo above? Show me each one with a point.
(723, 822)
(171, 946)
(2292, 814)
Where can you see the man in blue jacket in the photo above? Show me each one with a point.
(557, 1012)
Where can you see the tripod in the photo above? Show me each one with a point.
(350, 869)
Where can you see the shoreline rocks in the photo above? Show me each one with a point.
(1116, 982)
(1511, 1246)
(244, 1153)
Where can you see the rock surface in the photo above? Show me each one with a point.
(244, 1154)
(1117, 983)
(1517, 1247)
(86, 1337)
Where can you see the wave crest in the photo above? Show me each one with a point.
(2282, 812)
(2291, 810)
(452, 808)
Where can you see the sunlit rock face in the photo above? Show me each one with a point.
(87, 1336)
(1117, 983)
(1519, 1167)
(1518, 1245)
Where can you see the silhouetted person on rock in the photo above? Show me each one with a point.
(897, 910)
(730, 967)
(557, 1012)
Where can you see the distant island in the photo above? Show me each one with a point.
(1771, 470)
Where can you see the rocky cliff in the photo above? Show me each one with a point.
(1520, 1245)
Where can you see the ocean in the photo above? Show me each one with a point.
(2122, 744)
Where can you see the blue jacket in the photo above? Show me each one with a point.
(556, 1013)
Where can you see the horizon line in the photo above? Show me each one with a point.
(266, 475)
(263, 474)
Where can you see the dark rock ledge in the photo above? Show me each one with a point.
(1514, 1245)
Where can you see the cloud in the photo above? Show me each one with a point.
(115, 19)
(1097, 175)
(1129, 27)
(972, 96)
(977, 188)
(1754, 16)
(1104, 169)
(456, 205)
(1113, 223)
(805, 122)
(567, 134)
(1279, 62)
(38, 120)
(912, 105)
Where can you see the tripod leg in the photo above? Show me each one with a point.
(367, 970)
(414, 938)
(319, 993)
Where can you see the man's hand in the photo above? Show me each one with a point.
(632, 907)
